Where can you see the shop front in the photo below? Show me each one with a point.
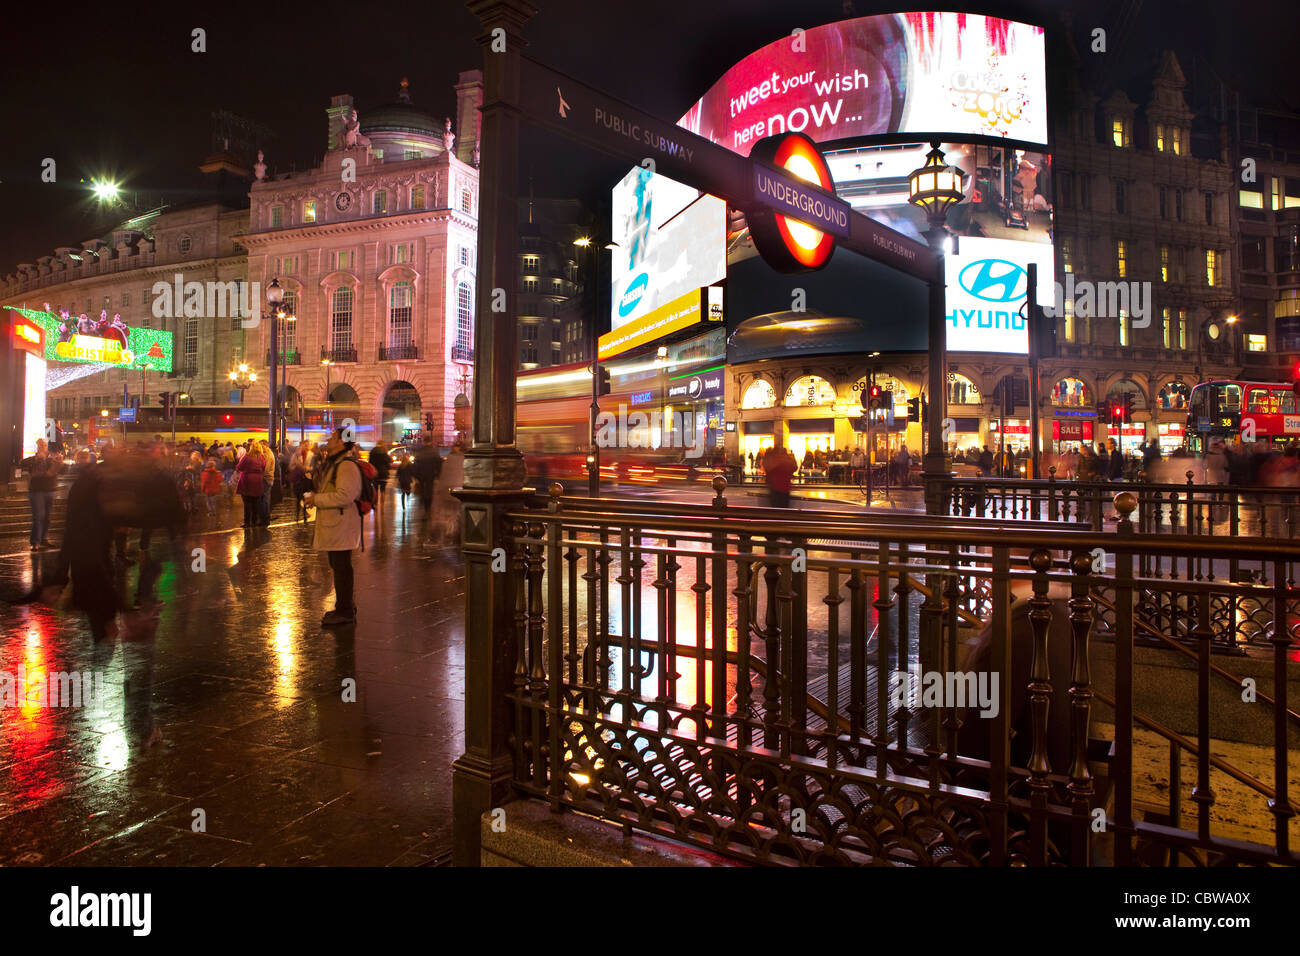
(1129, 436)
(1070, 434)
(694, 401)
(1172, 436)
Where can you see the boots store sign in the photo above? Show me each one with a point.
(706, 384)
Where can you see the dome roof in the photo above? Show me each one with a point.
(401, 116)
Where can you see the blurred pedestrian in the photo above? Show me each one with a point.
(444, 526)
(779, 465)
(249, 486)
(383, 465)
(43, 469)
(405, 477)
(210, 483)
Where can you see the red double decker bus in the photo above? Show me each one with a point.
(1251, 411)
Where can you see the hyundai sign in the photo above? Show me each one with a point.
(894, 73)
(986, 293)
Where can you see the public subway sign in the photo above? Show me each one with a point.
(592, 118)
(796, 215)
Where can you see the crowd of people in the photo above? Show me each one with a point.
(177, 487)
(826, 463)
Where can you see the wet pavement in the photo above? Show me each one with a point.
(225, 730)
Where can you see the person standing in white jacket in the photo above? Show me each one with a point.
(338, 523)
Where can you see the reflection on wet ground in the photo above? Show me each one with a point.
(225, 730)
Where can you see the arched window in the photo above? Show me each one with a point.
(1070, 391)
(399, 315)
(759, 394)
(341, 319)
(962, 391)
(810, 390)
(1174, 396)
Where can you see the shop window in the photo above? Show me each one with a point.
(1070, 392)
(810, 390)
(759, 394)
(1174, 396)
(962, 391)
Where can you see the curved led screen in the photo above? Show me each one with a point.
(957, 73)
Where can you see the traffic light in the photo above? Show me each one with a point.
(886, 399)
(1117, 412)
(871, 397)
(1128, 408)
(913, 409)
(602, 387)
(164, 399)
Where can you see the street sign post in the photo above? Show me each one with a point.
(585, 115)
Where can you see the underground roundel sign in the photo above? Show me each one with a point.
(796, 214)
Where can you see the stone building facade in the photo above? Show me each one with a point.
(375, 249)
(118, 272)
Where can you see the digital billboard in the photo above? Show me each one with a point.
(105, 341)
(670, 240)
(987, 285)
(956, 73)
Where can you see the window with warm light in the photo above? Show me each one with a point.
(1166, 327)
(1071, 330)
(1160, 137)
(309, 211)
(1067, 254)
(1164, 263)
(381, 202)
(1125, 324)
(1256, 343)
(1121, 258)
(1182, 329)
(417, 197)
(1119, 131)
(1176, 139)
(530, 263)
(1211, 267)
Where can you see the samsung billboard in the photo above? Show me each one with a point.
(669, 239)
(956, 73)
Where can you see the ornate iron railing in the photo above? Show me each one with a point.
(394, 353)
(1190, 508)
(339, 355)
(730, 677)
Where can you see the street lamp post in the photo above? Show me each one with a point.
(934, 188)
(329, 421)
(274, 296)
(593, 450)
(243, 379)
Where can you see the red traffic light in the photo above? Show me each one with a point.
(228, 417)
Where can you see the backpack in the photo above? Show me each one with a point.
(369, 494)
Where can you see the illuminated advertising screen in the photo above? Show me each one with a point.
(671, 240)
(105, 341)
(987, 285)
(33, 402)
(957, 73)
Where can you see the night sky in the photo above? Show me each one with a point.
(114, 90)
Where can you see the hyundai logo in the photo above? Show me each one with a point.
(632, 295)
(993, 280)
